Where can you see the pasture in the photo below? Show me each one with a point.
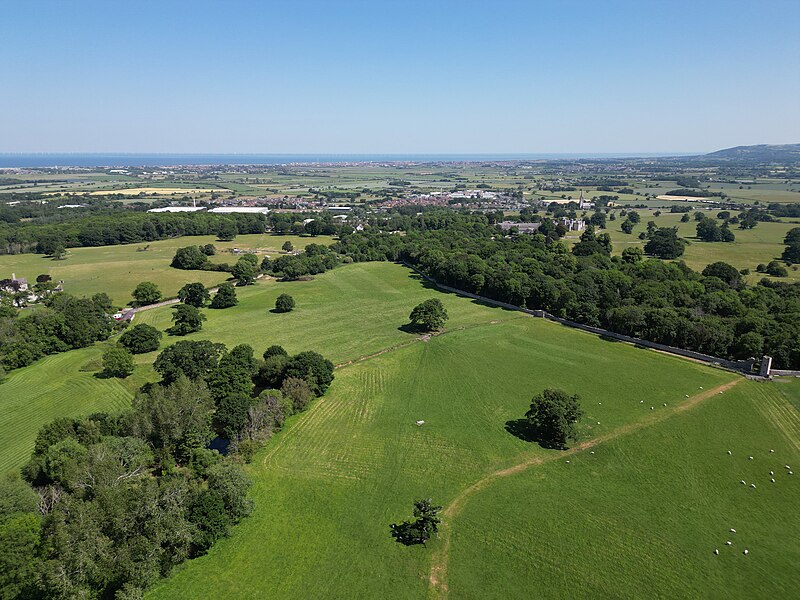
(653, 501)
(116, 270)
(642, 516)
(345, 314)
(330, 484)
(60, 385)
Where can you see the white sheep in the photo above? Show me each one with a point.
(733, 530)
(728, 543)
(729, 452)
(716, 550)
(753, 485)
(772, 480)
(746, 552)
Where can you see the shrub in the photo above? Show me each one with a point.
(284, 303)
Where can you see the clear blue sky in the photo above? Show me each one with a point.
(397, 76)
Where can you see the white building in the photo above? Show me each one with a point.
(240, 209)
(177, 209)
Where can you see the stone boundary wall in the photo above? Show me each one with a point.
(741, 366)
(784, 373)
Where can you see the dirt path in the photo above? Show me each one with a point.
(437, 587)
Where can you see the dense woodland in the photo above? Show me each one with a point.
(27, 228)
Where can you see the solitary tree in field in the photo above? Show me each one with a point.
(287, 246)
(552, 417)
(187, 319)
(284, 303)
(146, 293)
(195, 294)
(429, 315)
(425, 525)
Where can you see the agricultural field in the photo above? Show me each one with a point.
(116, 270)
(57, 386)
(333, 481)
(347, 313)
(642, 516)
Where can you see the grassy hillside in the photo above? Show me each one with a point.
(345, 314)
(643, 515)
(56, 386)
(328, 487)
(116, 270)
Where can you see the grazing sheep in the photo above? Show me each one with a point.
(753, 485)
(743, 482)
(749, 458)
(790, 472)
(746, 552)
(729, 452)
(728, 543)
(665, 403)
(716, 550)
(420, 423)
(651, 408)
(567, 462)
(772, 450)
(733, 530)
(772, 480)
(686, 396)
(592, 452)
(772, 473)
(787, 466)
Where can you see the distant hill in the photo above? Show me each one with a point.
(775, 153)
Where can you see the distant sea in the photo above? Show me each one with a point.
(164, 160)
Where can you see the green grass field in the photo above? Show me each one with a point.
(116, 270)
(641, 518)
(647, 507)
(328, 487)
(54, 387)
(346, 313)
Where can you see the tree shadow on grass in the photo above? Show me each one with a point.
(522, 429)
(412, 328)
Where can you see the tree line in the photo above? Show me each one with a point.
(712, 312)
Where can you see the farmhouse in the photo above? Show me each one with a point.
(14, 285)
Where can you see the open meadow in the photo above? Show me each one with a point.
(333, 481)
(649, 506)
(643, 515)
(116, 270)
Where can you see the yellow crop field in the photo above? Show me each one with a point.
(156, 190)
